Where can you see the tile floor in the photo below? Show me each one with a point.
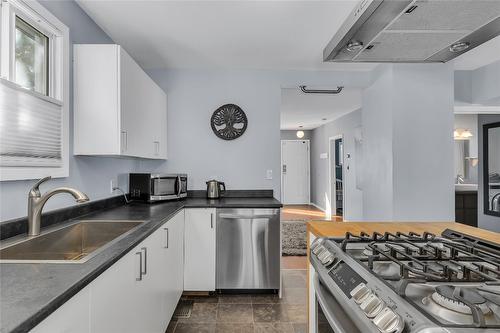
(250, 313)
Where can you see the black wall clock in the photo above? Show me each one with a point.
(229, 122)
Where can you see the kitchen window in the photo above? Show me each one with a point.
(31, 58)
(34, 92)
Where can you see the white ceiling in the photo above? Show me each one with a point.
(309, 110)
(482, 55)
(224, 34)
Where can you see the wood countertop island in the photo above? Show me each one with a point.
(339, 229)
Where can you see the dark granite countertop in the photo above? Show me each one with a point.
(31, 292)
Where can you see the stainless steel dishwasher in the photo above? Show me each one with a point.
(248, 248)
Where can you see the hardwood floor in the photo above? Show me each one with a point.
(294, 262)
(305, 213)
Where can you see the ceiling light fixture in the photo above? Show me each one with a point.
(459, 47)
(462, 134)
(354, 46)
(300, 134)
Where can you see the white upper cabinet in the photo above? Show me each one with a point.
(118, 108)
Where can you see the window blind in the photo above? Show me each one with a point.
(30, 128)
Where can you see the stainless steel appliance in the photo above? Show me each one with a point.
(248, 249)
(215, 189)
(153, 187)
(406, 283)
(413, 30)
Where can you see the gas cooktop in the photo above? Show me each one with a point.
(451, 280)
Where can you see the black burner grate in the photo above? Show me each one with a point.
(430, 258)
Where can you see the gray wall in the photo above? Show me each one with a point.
(89, 174)
(193, 95)
(485, 221)
(479, 86)
(292, 135)
(408, 144)
(346, 125)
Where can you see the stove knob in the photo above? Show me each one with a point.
(327, 259)
(360, 293)
(372, 306)
(317, 249)
(323, 255)
(388, 321)
(317, 242)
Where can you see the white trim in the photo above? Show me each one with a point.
(308, 170)
(333, 202)
(317, 206)
(42, 19)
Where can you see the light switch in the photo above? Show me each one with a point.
(269, 174)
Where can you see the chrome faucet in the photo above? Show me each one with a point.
(36, 202)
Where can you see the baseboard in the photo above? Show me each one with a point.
(320, 208)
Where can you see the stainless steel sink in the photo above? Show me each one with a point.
(74, 243)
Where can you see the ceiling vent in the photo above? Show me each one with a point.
(414, 31)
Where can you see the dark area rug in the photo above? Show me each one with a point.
(294, 238)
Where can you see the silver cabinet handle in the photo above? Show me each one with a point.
(145, 250)
(157, 147)
(140, 266)
(246, 217)
(166, 243)
(212, 220)
(125, 140)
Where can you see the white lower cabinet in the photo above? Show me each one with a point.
(199, 249)
(174, 268)
(138, 293)
(72, 317)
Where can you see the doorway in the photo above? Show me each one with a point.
(336, 175)
(295, 175)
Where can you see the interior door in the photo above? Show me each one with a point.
(295, 171)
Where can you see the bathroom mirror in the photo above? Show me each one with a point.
(491, 146)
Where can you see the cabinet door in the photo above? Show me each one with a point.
(199, 250)
(96, 100)
(151, 287)
(73, 316)
(144, 110)
(158, 104)
(135, 111)
(113, 300)
(174, 249)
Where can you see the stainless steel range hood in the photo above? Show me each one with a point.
(413, 30)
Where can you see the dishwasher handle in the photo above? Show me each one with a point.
(245, 217)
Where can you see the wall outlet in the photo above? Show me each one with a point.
(112, 184)
(269, 174)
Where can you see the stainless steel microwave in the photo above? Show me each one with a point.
(153, 187)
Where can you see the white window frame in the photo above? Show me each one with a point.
(39, 17)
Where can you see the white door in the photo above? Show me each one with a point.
(295, 171)
(199, 249)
